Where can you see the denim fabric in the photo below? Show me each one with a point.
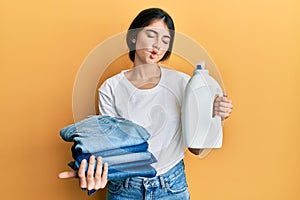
(101, 133)
(171, 185)
(118, 172)
(128, 158)
(113, 152)
(121, 163)
(120, 142)
(119, 168)
(115, 175)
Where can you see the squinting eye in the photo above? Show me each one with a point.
(150, 35)
(166, 42)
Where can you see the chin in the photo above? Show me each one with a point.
(153, 60)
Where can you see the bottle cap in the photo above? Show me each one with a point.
(200, 65)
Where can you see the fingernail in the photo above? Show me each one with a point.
(92, 158)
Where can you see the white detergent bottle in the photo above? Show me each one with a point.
(200, 128)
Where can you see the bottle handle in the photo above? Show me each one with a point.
(218, 93)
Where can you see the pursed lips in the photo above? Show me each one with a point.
(154, 52)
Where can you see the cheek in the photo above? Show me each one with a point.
(162, 55)
(143, 43)
(164, 48)
(139, 46)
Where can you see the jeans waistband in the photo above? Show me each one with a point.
(158, 181)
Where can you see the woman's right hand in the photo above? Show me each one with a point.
(92, 180)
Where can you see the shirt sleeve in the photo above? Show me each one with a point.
(106, 101)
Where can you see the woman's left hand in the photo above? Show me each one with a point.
(222, 106)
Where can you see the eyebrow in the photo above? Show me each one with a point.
(153, 31)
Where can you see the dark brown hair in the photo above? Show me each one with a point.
(143, 19)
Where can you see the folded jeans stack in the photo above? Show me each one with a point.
(120, 142)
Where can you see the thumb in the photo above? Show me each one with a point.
(225, 94)
(67, 174)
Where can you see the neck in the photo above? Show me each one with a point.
(146, 71)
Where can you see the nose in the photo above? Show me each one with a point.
(156, 45)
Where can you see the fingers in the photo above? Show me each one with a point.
(222, 106)
(91, 179)
(90, 173)
(67, 174)
(224, 100)
(98, 173)
(223, 115)
(100, 181)
(94, 179)
(81, 174)
(222, 111)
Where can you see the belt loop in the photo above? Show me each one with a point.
(162, 182)
(126, 183)
(144, 182)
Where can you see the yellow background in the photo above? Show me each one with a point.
(255, 43)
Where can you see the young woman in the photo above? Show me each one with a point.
(151, 96)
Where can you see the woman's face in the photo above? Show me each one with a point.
(152, 43)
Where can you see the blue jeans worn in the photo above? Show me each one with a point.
(169, 186)
(101, 133)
